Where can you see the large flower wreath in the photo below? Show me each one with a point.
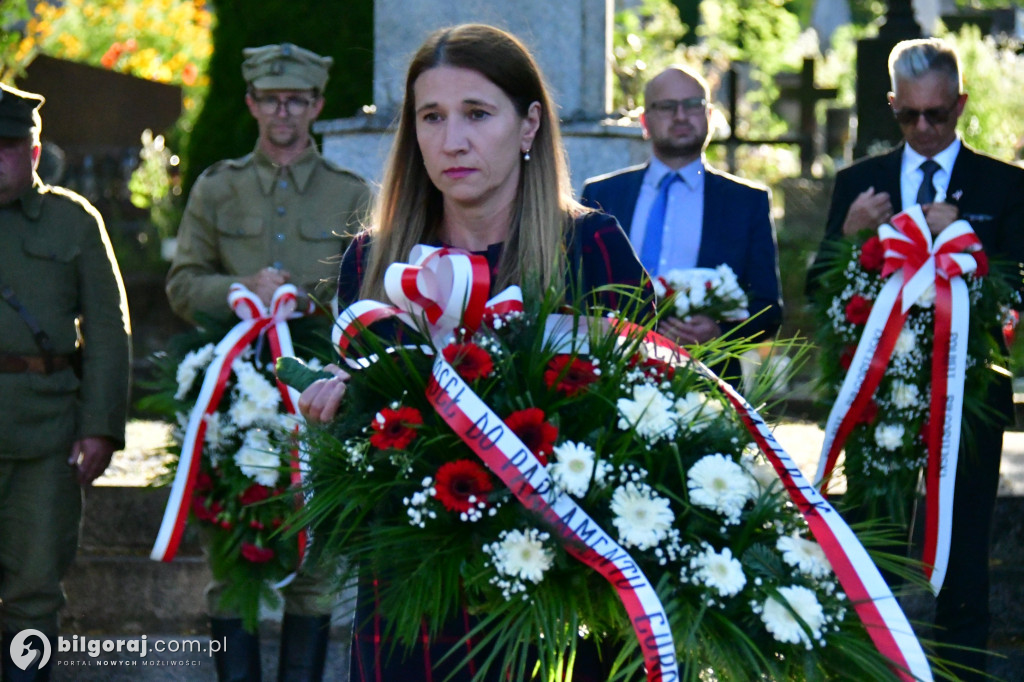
(552, 475)
(890, 410)
(235, 424)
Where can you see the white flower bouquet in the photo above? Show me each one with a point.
(651, 452)
(713, 292)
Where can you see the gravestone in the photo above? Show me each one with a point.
(571, 41)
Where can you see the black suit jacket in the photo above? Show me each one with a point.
(988, 192)
(737, 229)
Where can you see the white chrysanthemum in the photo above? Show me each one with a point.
(720, 571)
(257, 458)
(522, 555)
(783, 623)
(696, 411)
(889, 436)
(719, 483)
(905, 395)
(642, 517)
(659, 288)
(682, 305)
(805, 555)
(254, 387)
(649, 412)
(573, 467)
(189, 368)
(218, 430)
(245, 413)
(906, 342)
(698, 295)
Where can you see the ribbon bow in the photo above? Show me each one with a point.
(256, 320)
(915, 266)
(438, 291)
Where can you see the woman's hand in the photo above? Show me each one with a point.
(320, 402)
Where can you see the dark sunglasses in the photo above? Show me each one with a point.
(936, 116)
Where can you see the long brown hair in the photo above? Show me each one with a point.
(410, 207)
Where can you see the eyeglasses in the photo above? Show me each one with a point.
(270, 105)
(668, 107)
(935, 116)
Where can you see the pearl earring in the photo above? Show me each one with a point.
(526, 155)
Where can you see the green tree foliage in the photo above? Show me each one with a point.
(343, 31)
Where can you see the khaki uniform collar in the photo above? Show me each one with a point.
(298, 171)
(31, 200)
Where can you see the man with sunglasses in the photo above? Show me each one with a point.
(280, 214)
(933, 167)
(679, 212)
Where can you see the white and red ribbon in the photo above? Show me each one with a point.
(913, 266)
(256, 320)
(506, 456)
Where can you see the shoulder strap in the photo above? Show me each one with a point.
(42, 338)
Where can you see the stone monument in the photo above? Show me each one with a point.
(571, 40)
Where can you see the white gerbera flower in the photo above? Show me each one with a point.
(720, 571)
(649, 412)
(805, 555)
(254, 387)
(889, 436)
(696, 411)
(642, 517)
(906, 342)
(573, 467)
(782, 622)
(905, 395)
(193, 362)
(719, 483)
(521, 555)
(257, 458)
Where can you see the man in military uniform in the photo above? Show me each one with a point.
(280, 214)
(64, 374)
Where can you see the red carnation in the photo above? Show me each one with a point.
(395, 429)
(469, 360)
(569, 375)
(664, 282)
(202, 512)
(536, 433)
(872, 255)
(256, 554)
(254, 493)
(204, 483)
(457, 481)
(858, 309)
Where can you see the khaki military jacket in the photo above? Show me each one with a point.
(247, 214)
(56, 257)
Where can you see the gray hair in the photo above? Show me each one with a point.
(911, 59)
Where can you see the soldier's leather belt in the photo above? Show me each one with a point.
(32, 364)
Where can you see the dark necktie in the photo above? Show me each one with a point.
(650, 254)
(926, 194)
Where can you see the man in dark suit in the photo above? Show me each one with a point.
(681, 213)
(934, 168)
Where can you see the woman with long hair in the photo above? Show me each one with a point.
(477, 164)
